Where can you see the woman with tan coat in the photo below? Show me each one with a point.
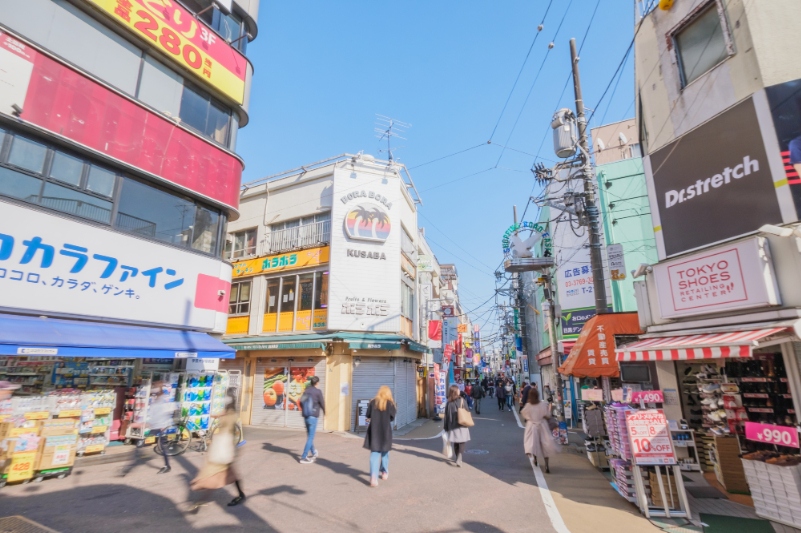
(538, 439)
(219, 468)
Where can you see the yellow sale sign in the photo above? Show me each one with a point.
(21, 466)
(189, 43)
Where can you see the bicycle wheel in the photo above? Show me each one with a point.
(237, 432)
(178, 439)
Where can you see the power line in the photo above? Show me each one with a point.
(539, 29)
(447, 156)
(458, 179)
(446, 236)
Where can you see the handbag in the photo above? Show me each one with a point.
(447, 449)
(221, 451)
(464, 417)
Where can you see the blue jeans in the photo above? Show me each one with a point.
(375, 457)
(311, 428)
(509, 401)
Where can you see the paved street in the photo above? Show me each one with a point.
(495, 491)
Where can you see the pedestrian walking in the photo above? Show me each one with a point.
(478, 394)
(218, 471)
(380, 415)
(524, 395)
(500, 393)
(468, 390)
(160, 419)
(460, 384)
(509, 393)
(311, 403)
(458, 435)
(538, 439)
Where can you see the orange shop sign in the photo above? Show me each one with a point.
(282, 262)
(192, 45)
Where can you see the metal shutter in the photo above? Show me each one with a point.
(368, 376)
(401, 396)
(294, 418)
(261, 415)
(411, 387)
(280, 417)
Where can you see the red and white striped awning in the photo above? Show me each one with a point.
(709, 346)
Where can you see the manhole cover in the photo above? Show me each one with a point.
(477, 452)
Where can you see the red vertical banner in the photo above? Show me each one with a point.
(458, 348)
(435, 330)
(448, 353)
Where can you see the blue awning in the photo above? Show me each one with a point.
(21, 335)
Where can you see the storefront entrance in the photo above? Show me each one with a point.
(278, 385)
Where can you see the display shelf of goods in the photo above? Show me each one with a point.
(775, 482)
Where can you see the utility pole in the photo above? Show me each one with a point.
(556, 354)
(596, 257)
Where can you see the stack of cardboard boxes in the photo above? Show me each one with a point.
(36, 446)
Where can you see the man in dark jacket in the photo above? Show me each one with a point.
(477, 393)
(500, 393)
(318, 403)
(524, 395)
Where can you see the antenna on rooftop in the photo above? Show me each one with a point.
(387, 128)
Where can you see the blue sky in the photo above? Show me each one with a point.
(323, 69)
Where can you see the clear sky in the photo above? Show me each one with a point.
(324, 68)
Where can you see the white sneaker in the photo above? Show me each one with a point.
(714, 416)
(307, 461)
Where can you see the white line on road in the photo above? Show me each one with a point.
(545, 493)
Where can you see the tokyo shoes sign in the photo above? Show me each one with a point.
(737, 276)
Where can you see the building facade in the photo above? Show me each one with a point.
(118, 169)
(326, 283)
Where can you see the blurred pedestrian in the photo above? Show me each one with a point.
(380, 415)
(458, 435)
(524, 395)
(509, 392)
(160, 419)
(218, 471)
(500, 393)
(538, 439)
(311, 402)
(477, 394)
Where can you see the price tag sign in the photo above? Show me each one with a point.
(21, 466)
(61, 455)
(3, 417)
(592, 395)
(778, 435)
(617, 395)
(648, 396)
(99, 429)
(650, 438)
(94, 448)
(69, 413)
(37, 415)
(102, 411)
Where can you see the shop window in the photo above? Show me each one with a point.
(701, 44)
(200, 112)
(231, 28)
(303, 319)
(407, 301)
(158, 214)
(287, 304)
(320, 300)
(271, 314)
(75, 186)
(300, 233)
(241, 244)
(239, 300)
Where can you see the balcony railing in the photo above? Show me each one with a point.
(298, 238)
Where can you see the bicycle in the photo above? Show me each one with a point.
(179, 437)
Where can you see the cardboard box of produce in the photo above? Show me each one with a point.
(57, 452)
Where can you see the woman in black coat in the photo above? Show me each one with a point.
(380, 413)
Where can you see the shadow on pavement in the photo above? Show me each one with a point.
(339, 468)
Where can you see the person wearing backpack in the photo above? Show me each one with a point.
(311, 402)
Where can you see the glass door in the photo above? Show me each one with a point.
(287, 306)
(303, 320)
(271, 314)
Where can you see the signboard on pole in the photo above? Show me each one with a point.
(650, 437)
(617, 264)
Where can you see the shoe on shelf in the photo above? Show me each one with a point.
(714, 416)
(711, 387)
(306, 461)
(721, 413)
(164, 470)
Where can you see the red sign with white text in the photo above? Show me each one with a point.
(448, 353)
(648, 396)
(778, 435)
(650, 438)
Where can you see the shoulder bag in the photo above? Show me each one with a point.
(464, 416)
